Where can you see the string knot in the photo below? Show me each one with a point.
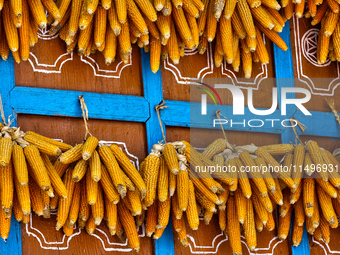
(158, 108)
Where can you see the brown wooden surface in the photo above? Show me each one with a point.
(75, 74)
(322, 81)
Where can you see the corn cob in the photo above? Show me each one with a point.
(177, 212)
(85, 209)
(172, 45)
(240, 202)
(167, 10)
(191, 212)
(267, 177)
(299, 212)
(7, 188)
(128, 223)
(75, 205)
(243, 179)
(171, 158)
(277, 195)
(19, 163)
(6, 148)
(24, 31)
(90, 226)
(150, 176)
(5, 223)
(248, 161)
(308, 196)
(79, 170)
(62, 146)
(35, 161)
(325, 231)
(97, 208)
(23, 196)
(297, 234)
(74, 154)
(207, 216)
(322, 53)
(54, 202)
(262, 152)
(205, 202)
(163, 181)
(17, 212)
(233, 227)
(38, 12)
(110, 215)
(249, 226)
(35, 197)
(327, 187)
(65, 203)
(246, 17)
(326, 205)
(202, 188)
(332, 165)
(113, 168)
(284, 224)
(163, 213)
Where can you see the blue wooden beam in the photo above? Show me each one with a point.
(7, 83)
(153, 93)
(285, 78)
(55, 102)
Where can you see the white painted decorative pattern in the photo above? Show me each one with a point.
(98, 70)
(306, 49)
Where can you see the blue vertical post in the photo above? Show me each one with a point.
(7, 83)
(153, 93)
(285, 78)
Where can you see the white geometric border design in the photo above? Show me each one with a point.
(325, 247)
(303, 77)
(201, 74)
(43, 34)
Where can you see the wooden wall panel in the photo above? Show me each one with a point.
(71, 130)
(321, 80)
(193, 66)
(49, 66)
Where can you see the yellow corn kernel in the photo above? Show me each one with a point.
(65, 203)
(97, 208)
(240, 201)
(72, 155)
(299, 212)
(249, 226)
(35, 161)
(91, 143)
(325, 230)
(163, 181)
(56, 181)
(113, 168)
(35, 197)
(84, 208)
(110, 215)
(121, 10)
(322, 53)
(90, 226)
(24, 31)
(20, 165)
(211, 25)
(113, 19)
(5, 223)
(297, 234)
(129, 169)
(189, 7)
(79, 170)
(191, 212)
(75, 205)
(129, 226)
(234, 232)
(182, 187)
(284, 225)
(150, 176)
(23, 196)
(62, 146)
(326, 205)
(308, 196)
(109, 190)
(170, 156)
(6, 148)
(91, 189)
(7, 188)
(38, 12)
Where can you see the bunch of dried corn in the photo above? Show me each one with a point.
(19, 24)
(326, 13)
(162, 27)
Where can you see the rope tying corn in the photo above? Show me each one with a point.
(85, 115)
(330, 103)
(158, 108)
